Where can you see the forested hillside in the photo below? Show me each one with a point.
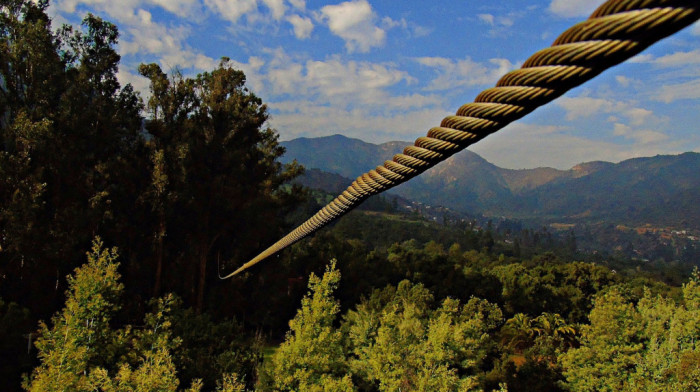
(646, 208)
(657, 190)
(118, 215)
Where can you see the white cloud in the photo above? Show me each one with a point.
(286, 80)
(277, 8)
(639, 125)
(499, 25)
(412, 29)
(678, 59)
(296, 119)
(232, 10)
(522, 145)
(355, 22)
(505, 21)
(65, 5)
(633, 129)
(334, 79)
(573, 8)
(347, 15)
(320, 97)
(641, 58)
(624, 81)
(695, 30)
(674, 92)
(681, 84)
(302, 26)
(340, 83)
(142, 35)
(57, 19)
(487, 18)
(578, 107)
(588, 107)
(639, 116)
(419, 31)
(526, 146)
(298, 4)
(453, 73)
(121, 8)
(150, 37)
(389, 23)
(145, 36)
(139, 83)
(640, 136)
(182, 8)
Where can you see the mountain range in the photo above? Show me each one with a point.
(662, 191)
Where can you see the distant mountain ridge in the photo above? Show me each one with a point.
(339, 154)
(659, 190)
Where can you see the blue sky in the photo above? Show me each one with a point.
(381, 70)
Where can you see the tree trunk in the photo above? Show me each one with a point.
(204, 249)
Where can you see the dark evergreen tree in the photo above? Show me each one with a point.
(217, 163)
(69, 146)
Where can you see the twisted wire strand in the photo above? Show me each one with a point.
(615, 32)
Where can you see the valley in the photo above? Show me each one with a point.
(643, 208)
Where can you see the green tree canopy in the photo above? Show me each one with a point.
(311, 357)
(399, 342)
(650, 345)
(81, 351)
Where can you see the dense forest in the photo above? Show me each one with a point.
(119, 214)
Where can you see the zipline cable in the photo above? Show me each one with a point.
(615, 32)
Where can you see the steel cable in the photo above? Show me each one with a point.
(615, 32)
